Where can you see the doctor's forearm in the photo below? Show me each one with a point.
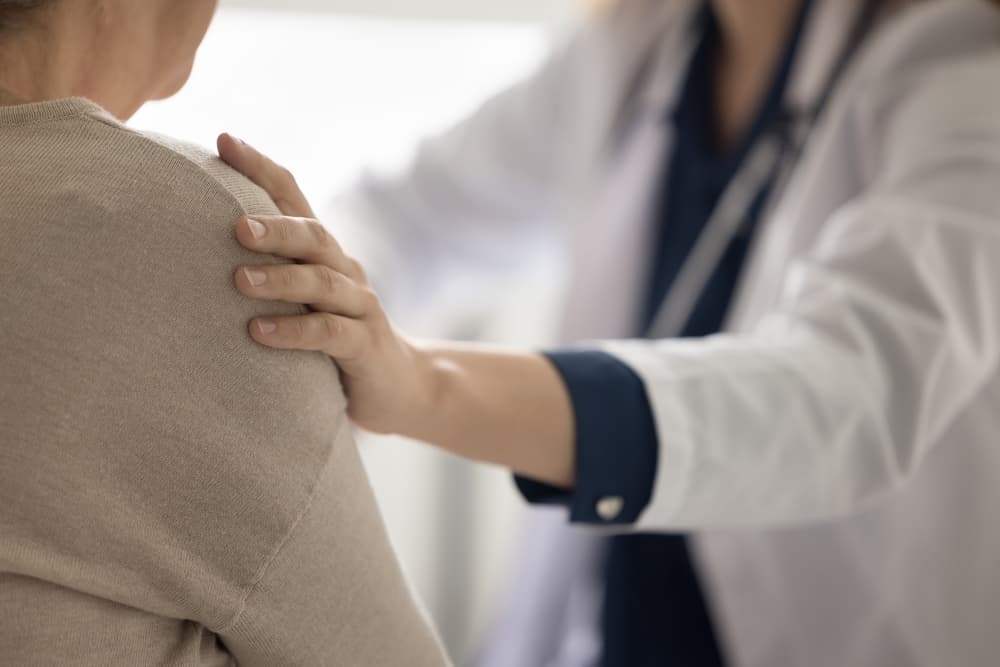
(507, 408)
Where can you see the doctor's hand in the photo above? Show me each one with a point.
(278, 182)
(383, 374)
(499, 406)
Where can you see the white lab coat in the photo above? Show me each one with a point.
(838, 450)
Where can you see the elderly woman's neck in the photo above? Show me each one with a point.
(67, 55)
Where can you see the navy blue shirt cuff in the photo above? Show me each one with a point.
(616, 442)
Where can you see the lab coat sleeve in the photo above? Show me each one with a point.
(616, 445)
(884, 334)
(473, 197)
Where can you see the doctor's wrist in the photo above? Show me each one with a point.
(428, 389)
(504, 407)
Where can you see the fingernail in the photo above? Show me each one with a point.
(257, 229)
(239, 140)
(266, 327)
(256, 278)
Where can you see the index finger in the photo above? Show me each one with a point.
(304, 239)
(275, 180)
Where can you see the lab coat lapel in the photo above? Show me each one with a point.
(614, 219)
(610, 217)
(778, 229)
(792, 219)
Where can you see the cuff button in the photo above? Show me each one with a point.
(610, 507)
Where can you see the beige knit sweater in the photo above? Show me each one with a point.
(171, 493)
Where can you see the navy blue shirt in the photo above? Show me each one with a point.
(617, 443)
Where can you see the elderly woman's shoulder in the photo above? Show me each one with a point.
(97, 195)
(206, 164)
(75, 160)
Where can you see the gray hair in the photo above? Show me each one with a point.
(13, 10)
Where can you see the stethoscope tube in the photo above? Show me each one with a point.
(771, 158)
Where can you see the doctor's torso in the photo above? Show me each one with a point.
(910, 581)
(864, 533)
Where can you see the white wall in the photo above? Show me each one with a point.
(534, 11)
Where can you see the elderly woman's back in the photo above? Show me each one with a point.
(171, 493)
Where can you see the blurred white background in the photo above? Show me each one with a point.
(327, 88)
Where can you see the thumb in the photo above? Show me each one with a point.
(275, 180)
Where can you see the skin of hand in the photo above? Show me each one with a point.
(507, 408)
(382, 373)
